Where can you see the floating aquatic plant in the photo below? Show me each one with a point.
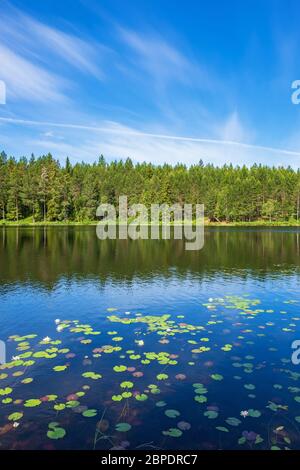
(170, 346)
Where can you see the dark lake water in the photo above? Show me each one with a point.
(141, 344)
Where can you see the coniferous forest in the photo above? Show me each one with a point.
(43, 190)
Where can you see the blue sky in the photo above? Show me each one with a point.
(160, 81)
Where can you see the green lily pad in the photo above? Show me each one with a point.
(91, 375)
(59, 406)
(173, 432)
(15, 416)
(200, 398)
(90, 413)
(211, 414)
(249, 386)
(32, 403)
(160, 404)
(72, 404)
(222, 429)
(172, 413)
(56, 433)
(254, 413)
(233, 421)
(217, 377)
(126, 384)
(59, 368)
(5, 391)
(117, 398)
(162, 377)
(120, 368)
(142, 397)
(123, 427)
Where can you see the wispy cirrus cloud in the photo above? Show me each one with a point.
(158, 58)
(27, 81)
(157, 81)
(79, 53)
(162, 60)
(169, 76)
(115, 140)
(30, 51)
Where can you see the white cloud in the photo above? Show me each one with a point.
(121, 142)
(79, 53)
(83, 142)
(155, 55)
(162, 61)
(24, 80)
(29, 50)
(233, 129)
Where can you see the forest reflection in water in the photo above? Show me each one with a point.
(44, 254)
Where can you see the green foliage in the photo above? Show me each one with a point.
(55, 432)
(43, 190)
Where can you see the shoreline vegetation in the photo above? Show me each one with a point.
(41, 191)
(91, 223)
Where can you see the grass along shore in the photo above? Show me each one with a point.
(70, 223)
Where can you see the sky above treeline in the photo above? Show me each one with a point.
(154, 80)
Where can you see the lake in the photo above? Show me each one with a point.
(124, 344)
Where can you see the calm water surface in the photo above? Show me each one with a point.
(141, 344)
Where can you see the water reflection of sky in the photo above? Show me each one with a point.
(25, 306)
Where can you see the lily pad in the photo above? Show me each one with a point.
(173, 432)
(90, 413)
(172, 413)
(56, 433)
(233, 421)
(217, 377)
(123, 427)
(211, 414)
(15, 416)
(120, 368)
(32, 403)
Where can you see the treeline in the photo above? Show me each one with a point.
(44, 190)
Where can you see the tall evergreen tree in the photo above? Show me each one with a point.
(44, 190)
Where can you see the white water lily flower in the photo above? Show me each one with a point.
(15, 425)
(127, 313)
(140, 342)
(57, 321)
(244, 413)
(210, 299)
(59, 328)
(47, 339)
(16, 358)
